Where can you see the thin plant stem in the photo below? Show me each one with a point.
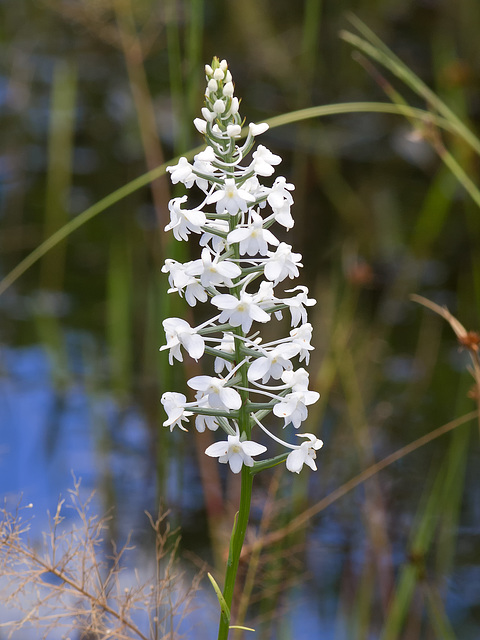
(466, 182)
(236, 545)
(253, 561)
(241, 520)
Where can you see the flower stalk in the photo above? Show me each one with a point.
(241, 264)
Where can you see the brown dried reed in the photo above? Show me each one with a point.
(70, 584)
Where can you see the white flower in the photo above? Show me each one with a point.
(258, 129)
(202, 421)
(212, 85)
(219, 106)
(217, 243)
(202, 163)
(284, 217)
(174, 405)
(305, 454)
(217, 394)
(193, 292)
(200, 125)
(273, 364)
(182, 172)
(234, 131)
(177, 277)
(296, 380)
(179, 332)
(240, 311)
(302, 336)
(282, 263)
(235, 452)
(280, 193)
(230, 198)
(298, 303)
(183, 221)
(253, 186)
(265, 294)
(253, 238)
(263, 161)
(293, 407)
(228, 346)
(213, 272)
(180, 281)
(204, 159)
(208, 115)
(233, 107)
(281, 200)
(228, 89)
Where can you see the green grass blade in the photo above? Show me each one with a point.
(376, 49)
(146, 178)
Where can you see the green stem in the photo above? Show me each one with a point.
(244, 426)
(236, 544)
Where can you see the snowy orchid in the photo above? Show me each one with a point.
(240, 311)
(235, 452)
(179, 332)
(174, 405)
(213, 273)
(305, 454)
(241, 263)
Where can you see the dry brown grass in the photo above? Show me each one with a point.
(71, 582)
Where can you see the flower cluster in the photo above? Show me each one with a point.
(240, 265)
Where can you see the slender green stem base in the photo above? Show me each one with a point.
(236, 544)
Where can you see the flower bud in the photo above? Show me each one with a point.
(234, 130)
(208, 115)
(218, 74)
(228, 90)
(219, 106)
(200, 125)
(212, 85)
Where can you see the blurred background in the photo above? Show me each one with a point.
(94, 93)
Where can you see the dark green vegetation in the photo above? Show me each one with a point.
(95, 94)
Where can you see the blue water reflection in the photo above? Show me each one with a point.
(47, 435)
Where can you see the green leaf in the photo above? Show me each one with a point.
(223, 605)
